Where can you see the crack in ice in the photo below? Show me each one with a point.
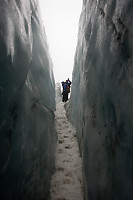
(67, 182)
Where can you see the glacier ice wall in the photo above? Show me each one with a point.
(101, 105)
(58, 93)
(27, 102)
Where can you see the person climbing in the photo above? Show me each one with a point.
(66, 89)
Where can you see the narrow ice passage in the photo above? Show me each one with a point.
(66, 183)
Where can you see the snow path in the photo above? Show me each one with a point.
(66, 183)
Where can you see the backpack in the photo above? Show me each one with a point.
(68, 89)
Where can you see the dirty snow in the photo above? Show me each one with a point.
(66, 183)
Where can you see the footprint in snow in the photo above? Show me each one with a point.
(68, 147)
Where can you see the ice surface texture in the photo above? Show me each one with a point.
(27, 102)
(102, 98)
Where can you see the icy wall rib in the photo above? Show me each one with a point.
(102, 98)
(27, 102)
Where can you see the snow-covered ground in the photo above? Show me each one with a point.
(67, 182)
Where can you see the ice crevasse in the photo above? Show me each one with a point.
(27, 130)
(100, 106)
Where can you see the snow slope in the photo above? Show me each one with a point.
(66, 183)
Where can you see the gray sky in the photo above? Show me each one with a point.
(61, 19)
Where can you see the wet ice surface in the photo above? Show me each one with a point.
(66, 183)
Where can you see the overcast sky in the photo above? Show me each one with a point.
(61, 19)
